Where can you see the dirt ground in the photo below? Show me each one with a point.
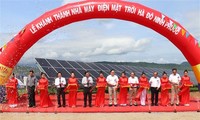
(195, 95)
(101, 116)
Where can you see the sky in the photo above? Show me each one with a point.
(100, 39)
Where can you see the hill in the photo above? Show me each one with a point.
(182, 66)
(21, 70)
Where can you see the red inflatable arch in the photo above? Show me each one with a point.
(90, 9)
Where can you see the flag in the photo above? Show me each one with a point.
(175, 25)
(187, 34)
(1, 50)
(183, 32)
(22, 31)
(196, 42)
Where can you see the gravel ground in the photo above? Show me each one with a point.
(101, 116)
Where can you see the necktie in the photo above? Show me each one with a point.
(87, 82)
(60, 82)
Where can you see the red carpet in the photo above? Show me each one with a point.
(22, 107)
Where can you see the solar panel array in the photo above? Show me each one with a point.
(51, 67)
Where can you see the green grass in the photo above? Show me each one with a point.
(194, 88)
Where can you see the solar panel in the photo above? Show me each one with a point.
(125, 68)
(110, 67)
(138, 69)
(84, 65)
(118, 73)
(42, 62)
(51, 67)
(106, 73)
(54, 63)
(74, 64)
(94, 73)
(65, 64)
(65, 73)
(103, 67)
(78, 74)
(93, 66)
(49, 71)
(145, 70)
(157, 70)
(116, 68)
(152, 70)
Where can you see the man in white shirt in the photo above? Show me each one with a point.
(174, 79)
(155, 85)
(60, 83)
(87, 82)
(112, 81)
(133, 81)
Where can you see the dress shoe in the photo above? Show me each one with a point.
(135, 104)
(30, 106)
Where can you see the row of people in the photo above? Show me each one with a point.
(137, 89)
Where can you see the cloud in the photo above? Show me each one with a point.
(51, 54)
(87, 50)
(162, 60)
(107, 23)
(117, 46)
